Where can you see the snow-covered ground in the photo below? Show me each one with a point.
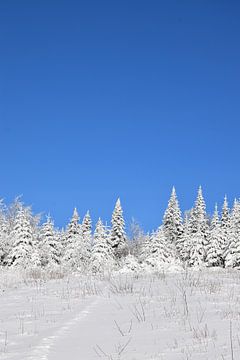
(181, 316)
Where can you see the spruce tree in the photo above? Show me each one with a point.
(225, 228)
(232, 258)
(198, 230)
(145, 247)
(184, 252)
(118, 236)
(102, 255)
(214, 250)
(50, 246)
(197, 250)
(86, 242)
(72, 239)
(160, 251)
(36, 257)
(199, 220)
(4, 238)
(172, 223)
(22, 240)
(237, 236)
(74, 228)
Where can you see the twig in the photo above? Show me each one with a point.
(118, 327)
(124, 347)
(101, 350)
(130, 328)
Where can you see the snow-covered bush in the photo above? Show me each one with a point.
(130, 264)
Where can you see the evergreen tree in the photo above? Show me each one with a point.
(36, 231)
(160, 252)
(22, 240)
(199, 219)
(86, 238)
(12, 213)
(50, 246)
(36, 258)
(61, 235)
(184, 252)
(197, 250)
(73, 237)
(146, 247)
(214, 249)
(225, 228)
(74, 227)
(198, 224)
(102, 255)
(232, 258)
(237, 236)
(4, 238)
(118, 236)
(172, 223)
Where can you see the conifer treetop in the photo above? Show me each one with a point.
(75, 214)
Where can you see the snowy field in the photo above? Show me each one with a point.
(183, 316)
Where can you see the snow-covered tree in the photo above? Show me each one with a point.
(237, 236)
(118, 237)
(87, 226)
(199, 228)
(22, 240)
(36, 231)
(214, 248)
(160, 252)
(225, 227)
(36, 257)
(86, 238)
(184, 251)
(196, 241)
(172, 222)
(4, 235)
(197, 251)
(102, 255)
(61, 236)
(199, 219)
(137, 239)
(50, 246)
(130, 264)
(232, 258)
(72, 240)
(145, 249)
(74, 227)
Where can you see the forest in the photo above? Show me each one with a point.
(193, 240)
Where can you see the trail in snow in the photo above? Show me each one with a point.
(43, 350)
(34, 313)
(90, 335)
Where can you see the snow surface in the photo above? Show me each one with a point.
(174, 316)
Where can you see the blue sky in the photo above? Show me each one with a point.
(100, 99)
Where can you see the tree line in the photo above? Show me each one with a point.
(195, 240)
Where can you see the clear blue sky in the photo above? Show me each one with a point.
(100, 99)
